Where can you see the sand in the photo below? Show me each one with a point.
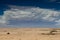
(29, 34)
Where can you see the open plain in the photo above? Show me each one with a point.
(29, 34)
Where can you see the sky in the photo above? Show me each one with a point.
(30, 13)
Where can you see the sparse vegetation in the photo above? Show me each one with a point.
(8, 33)
(29, 34)
(50, 33)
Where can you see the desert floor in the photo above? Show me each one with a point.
(29, 34)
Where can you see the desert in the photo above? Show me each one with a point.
(29, 33)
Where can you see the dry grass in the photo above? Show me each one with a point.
(29, 34)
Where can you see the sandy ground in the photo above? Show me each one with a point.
(29, 34)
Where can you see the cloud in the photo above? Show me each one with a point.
(32, 13)
(29, 14)
(57, 22)
(2, 20)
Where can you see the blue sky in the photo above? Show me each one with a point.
(30, 13)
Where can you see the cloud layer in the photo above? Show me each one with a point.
(18, 15)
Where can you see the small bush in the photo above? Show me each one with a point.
(50, 33)
(8, 33)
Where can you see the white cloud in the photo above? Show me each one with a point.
(33, 13)
(2, 20)
(57, 22)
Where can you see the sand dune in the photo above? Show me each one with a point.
(29, 34)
